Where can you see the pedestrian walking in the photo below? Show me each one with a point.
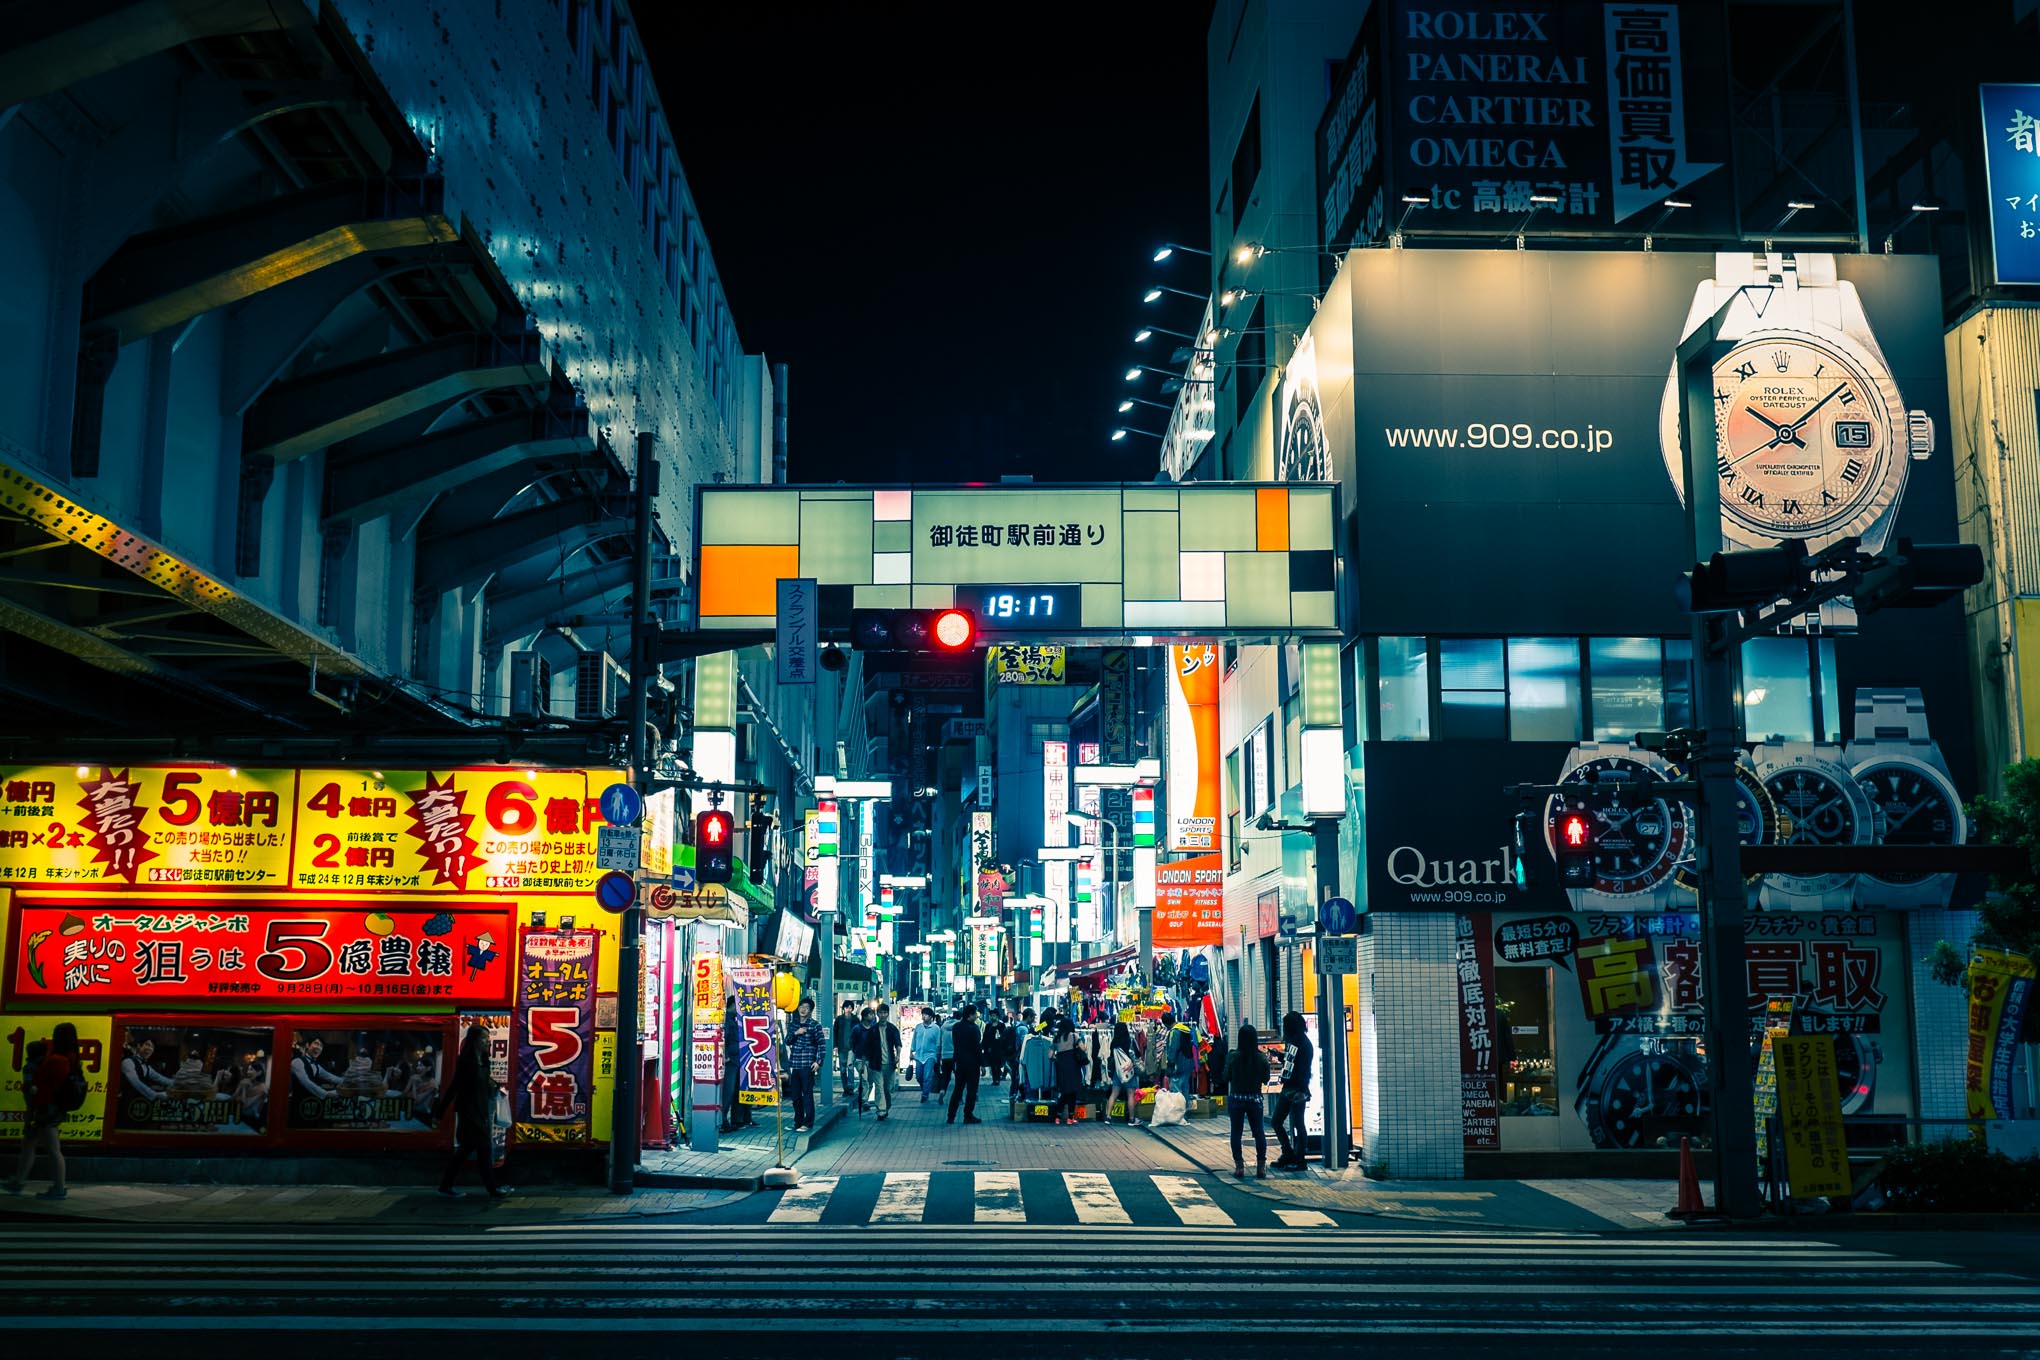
(993, 1040)
(927, 1043)
(1291, 1100)
(1245, 1075)
(966, 1043)
(860, 1053)
(881, 1059)
(846, 1057)
(805, 1045)
(1122, 1068)
(945, 1054)
(1182, 1058)
(1069, 1071)
(472, 1098)
(1023, 1030)
(54, 1088)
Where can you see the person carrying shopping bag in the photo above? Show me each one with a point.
(1122, 1068)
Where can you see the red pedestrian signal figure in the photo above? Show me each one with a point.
(1574, 849)
(714, 831)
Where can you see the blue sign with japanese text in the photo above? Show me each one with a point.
(2011, 158)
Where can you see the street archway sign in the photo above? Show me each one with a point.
(1034, 561)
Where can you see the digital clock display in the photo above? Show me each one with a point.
(1020, 609)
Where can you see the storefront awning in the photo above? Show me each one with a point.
(1098, 966)
(741, 884)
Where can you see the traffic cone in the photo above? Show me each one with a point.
(1689, 1205)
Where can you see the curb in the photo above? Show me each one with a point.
(825, 1118)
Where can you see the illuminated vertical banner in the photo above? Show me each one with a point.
(980, 857)
(867, 862)
(1143, 818)
(1193, 748)
(1055, 792)
(1090, 913)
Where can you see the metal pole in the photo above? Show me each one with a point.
(1856, 125)
(624, 1120)
(825, 911)
(1731, 1065)
(1331, 1008)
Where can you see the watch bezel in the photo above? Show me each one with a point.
(1859, 770)
(1838, 773)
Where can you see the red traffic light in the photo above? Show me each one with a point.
(1573, 831)
(953, 629)
(713, 861)
(714, 830)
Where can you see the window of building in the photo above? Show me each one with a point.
(1524, 1056)
(1544, 689)
(1233, 803)
(1292, 742)
(1472, 689)
(1628, 678)
(1830, 692)
(1261, 768)
(1405, 669)
(1250, 356)
(1678, 683)
(1246, 162)
(1777, 690)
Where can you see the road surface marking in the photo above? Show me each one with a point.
(1188, 1199)
(1092, 1197)
(904, 1198)
(1306, 1218)
(998, 1197)
(805, 1202)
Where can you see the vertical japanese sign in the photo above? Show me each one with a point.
(1647, 107)
(706, 1047)
(795, 630)
(1810, 1109)
(980, 859)
(555, 1024)
(758, 1070)
(2011, 158)
(1055, 801)
(1480, 1078)
(1115, 704)
(1193, 748)
(2000, 987)
(1352, 200)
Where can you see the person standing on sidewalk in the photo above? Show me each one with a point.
(1122, 1069)
(48, 1090)
(804, 1043)
(992, 1039)
(927, 1051)
(1245, 1075)
(881, 1058)
(860, 1053)
(472, 1098)
(1069, 1071)
(1182, 1058)
(964, 1038)
(846, 1060)
(945, 1054)
(1297, 1056)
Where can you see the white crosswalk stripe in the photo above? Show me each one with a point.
(904, 1198)
(1305, 1218)
(998, 1198)
(1092, 1196)
(1190, 1202)
(806, 1201)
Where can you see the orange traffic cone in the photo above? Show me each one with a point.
(1689, 1205)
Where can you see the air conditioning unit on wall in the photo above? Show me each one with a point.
(530, 685)
(599, 686)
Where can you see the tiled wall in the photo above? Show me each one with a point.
(1940, 1020)
(1409, 1048)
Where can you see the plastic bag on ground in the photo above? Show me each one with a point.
(1168, 1107)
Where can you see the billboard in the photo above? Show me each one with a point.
(1189, 910)
(555, 1026)
(1039, 563)
(1589, 116)
(2011, 160)
(1193, 768)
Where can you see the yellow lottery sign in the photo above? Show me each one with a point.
(145, 825)
(451, 831)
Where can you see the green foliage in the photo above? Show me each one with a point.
(2009, 917)
(1960, 1176)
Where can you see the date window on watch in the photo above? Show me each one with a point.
(1649, 826)
(1852, 434)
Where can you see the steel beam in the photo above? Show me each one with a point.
(93, 650)
(52, 46)
(476, 553)
(519, 613)
(373, 481)
(302, 415)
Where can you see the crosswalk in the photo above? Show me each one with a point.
(197, 1289)
(1093, 1198)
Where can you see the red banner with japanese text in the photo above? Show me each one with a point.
(555, 1026)
(111, 950)
(1480, 1053)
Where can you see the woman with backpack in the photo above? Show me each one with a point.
(1245, 1074)
(55, 1087)
(1122, 1067)
(1069, 1072)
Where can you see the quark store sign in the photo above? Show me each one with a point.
(1588, 115)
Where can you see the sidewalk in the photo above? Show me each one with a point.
(741, 1158)
(388, 1206)
(1542, 1205)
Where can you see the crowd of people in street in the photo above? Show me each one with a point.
(1049, 1057)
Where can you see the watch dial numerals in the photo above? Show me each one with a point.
(1798, 445)
(1820, 809)
(1913, 809)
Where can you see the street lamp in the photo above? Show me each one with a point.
(1124, 430)
(1155, 291)
(1918, 210)
(1538, 203)
(1672, 205)
(1128, 403)
(1411, 202)
(1793, 207)
(1169, 248)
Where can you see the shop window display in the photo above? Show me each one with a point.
(194, 1078)
(1528, 1070)
(365, 1080)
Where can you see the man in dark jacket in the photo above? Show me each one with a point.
(969, 1060)
(881, 1058)
(855, 1047)
(1297, 1056)
(804, 1053)
(846, 1060)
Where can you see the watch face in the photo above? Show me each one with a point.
(1639, 839)
(1915, 807)
(1820, 805)
(1647, 1097)
(1802, 436)
(1757, 818)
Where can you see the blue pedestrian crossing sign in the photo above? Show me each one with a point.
(1337, 917)
(622, 805)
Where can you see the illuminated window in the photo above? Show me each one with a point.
(1472, 689)
(1405, 666)
(1628, 686)
(1544, 689)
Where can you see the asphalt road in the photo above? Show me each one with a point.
(1001, 1283)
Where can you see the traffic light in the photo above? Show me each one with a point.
(713, 832)
(1920, 576)
(913, 630)
(1732, 581)
(1574, 848)
(1524, 873)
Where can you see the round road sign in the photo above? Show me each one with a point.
(622, 805)
(615, 890)
(1337, 917)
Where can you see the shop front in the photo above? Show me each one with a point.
(285, 960)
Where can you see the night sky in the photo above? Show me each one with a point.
(941, 218)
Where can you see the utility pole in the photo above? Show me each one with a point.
(826, 876)
(625, 1119)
